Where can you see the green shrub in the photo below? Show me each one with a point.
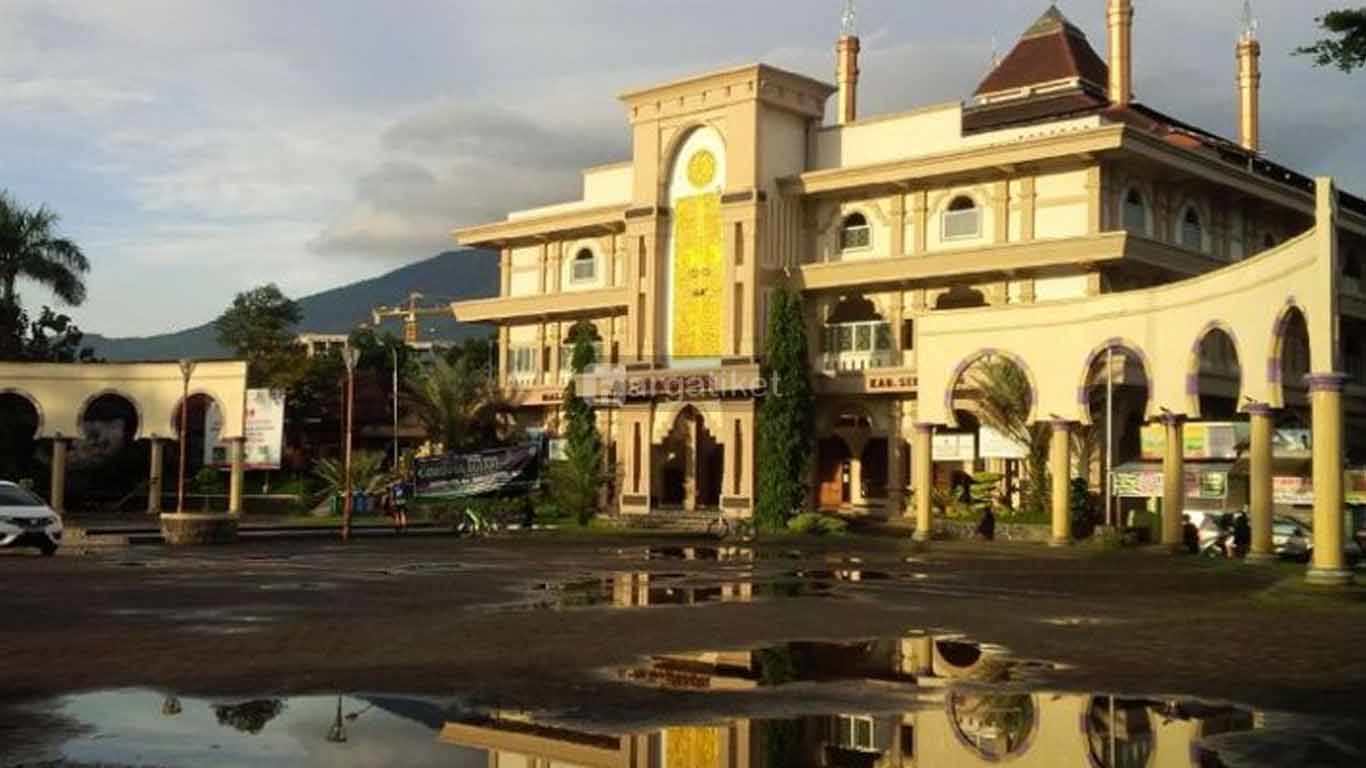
(516, 510)
(817, 524)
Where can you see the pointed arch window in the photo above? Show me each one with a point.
(1192, 229)
(855, 233)
(1135, 212)
(962, 219)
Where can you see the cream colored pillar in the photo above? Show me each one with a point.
(922, 458)
(1060, 471)
(690, 469)
(856, 498)
(1260, 492)
(155, 476)
(57, 494)
(1329, 566)
(1173, 481)
(236, 449)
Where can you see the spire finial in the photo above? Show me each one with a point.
(1250, 21)
(848, 19)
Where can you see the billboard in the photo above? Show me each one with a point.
(515, 469)
(263, 426)
(1201, 440)
(1147, 484)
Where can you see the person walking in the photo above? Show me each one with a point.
(1242, 535)
(398, 493)
(987, 528)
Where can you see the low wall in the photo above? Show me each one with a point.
(190, 529)
(966, 529)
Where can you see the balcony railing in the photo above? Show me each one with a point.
(859, 346)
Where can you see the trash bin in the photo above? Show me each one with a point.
(336, 504)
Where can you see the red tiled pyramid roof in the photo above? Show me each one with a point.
(1051, 49)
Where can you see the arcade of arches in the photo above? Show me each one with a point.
(86, 404)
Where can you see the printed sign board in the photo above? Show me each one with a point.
(1147, 484)
(995, 444)
(957, 446)
(1202, 440)
(462, 475)
(263, 426)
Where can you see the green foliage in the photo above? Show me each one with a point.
(1344, 45)
(785, 446)
(31, 249)
(249, 716)
(817, 524)
(259, 328)
(52, 338)
(457, 403)
(984, 489)
(576, 482)
(1005, 396)
(368, 473)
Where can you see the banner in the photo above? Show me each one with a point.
(462, 475)
(955, 447)
(1296, 491)
(1147, 484)
(1201, 440)
(263, 426)
(998, 445)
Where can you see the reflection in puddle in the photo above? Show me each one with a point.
(640, 590)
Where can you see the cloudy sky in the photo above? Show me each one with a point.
(196, 148)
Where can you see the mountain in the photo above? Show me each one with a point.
(449, 276)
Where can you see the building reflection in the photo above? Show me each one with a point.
(964, 721)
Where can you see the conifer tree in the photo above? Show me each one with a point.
(576, 482)
(785, 445)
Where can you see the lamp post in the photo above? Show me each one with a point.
(186, 371)
(350, 355)
(395, 350)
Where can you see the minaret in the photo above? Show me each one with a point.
(846, 66)
(1249, 83)
(1120, 17)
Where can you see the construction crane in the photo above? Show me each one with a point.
(410, 311)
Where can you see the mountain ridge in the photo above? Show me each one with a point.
(450, 275)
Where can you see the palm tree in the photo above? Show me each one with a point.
(457, 402)
(1004, 395)
(368, 474)
(30, 248)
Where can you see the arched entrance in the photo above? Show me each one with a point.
(1117, 392)
(834, 474)
(19, 423)
(1219, 375)
(691, 462)
(107, 462)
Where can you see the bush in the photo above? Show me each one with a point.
(817, 524)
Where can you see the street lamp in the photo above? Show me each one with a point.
(186, 371)
(337, 733)
(350, 355)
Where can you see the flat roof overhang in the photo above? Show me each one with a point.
(538, 306)
(534, 229)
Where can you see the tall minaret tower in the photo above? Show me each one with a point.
(846, 65)
(1249, 83)
(1119, 16)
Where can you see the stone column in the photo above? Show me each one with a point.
(922, 457)
(236, 449)
(856, 498)
(1260, 501)
(1173, 481)
(1329, 565)
(1060, 472)
(896, 484)
(690, 469)
(155, 476)
(57, 493)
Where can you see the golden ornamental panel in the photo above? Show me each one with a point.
(699, 277)
(693, 747)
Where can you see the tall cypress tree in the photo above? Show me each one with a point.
(785, 418)
(576, 481)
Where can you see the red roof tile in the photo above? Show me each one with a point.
(1051, 49)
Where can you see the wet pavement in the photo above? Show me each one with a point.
(617, 652)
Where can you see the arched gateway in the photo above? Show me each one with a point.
(64, 395)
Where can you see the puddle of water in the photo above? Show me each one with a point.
(953, 727)
(642, 590)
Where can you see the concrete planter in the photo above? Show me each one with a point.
(194, 529)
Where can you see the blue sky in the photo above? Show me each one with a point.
(196, 148)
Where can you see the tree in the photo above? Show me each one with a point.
(249, 716)
(52, 338)
(368, 474)
(30, 248)
(1004, 399)
(1344, 45)
(577, 481)
(457, 403)
(259, 327)
(785, 445)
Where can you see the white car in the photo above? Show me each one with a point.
(26, 521)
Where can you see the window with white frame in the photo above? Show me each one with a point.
(1192, 230)
(856, 732)
(1135, 213)
(962, 219)
(522, 363)
(855, 233)
(858, 346)
(585, 266)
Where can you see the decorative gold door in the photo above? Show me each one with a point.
(698, 277)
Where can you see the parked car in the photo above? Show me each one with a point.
(1295, 539)
(27, 521)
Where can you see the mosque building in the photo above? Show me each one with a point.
(1145, 276)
